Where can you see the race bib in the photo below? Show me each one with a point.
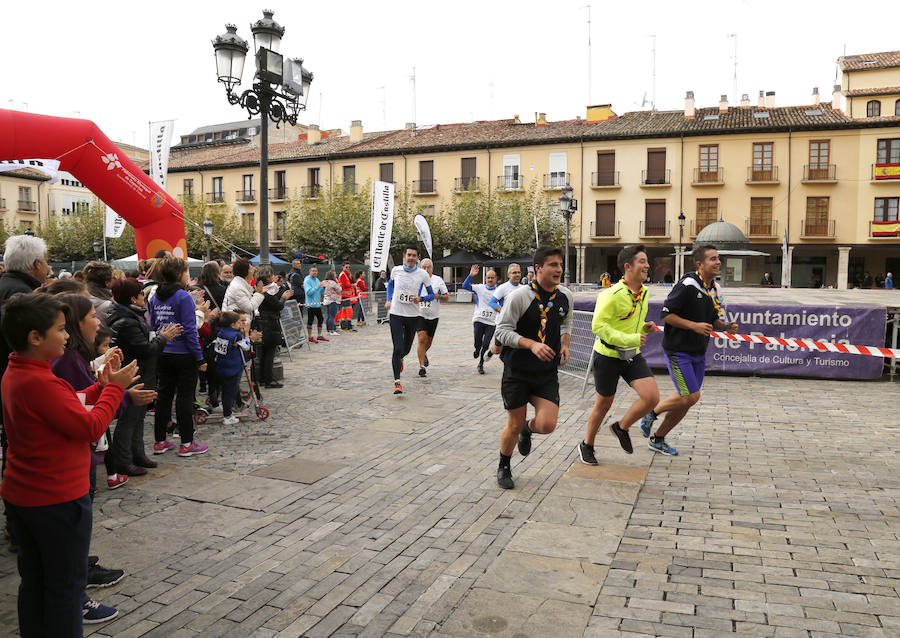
(424, 305)
(486, 314)
(220, 346)
(405, 296)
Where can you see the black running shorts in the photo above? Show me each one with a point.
(427, 325)
(517, 388)
(608, 370)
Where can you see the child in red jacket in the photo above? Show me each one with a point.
(45, 487)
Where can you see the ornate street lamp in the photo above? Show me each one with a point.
(567, 206)
(207, 230)
(280, 91)
(97, 248)
(679, 263)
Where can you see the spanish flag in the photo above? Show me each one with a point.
(886, 229)
(887, 171)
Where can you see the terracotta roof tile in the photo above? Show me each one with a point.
(885, 90)
(869, 61)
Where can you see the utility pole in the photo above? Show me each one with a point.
(590, 93)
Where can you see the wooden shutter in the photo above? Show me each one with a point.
(606, 168)
(763, 155)
(655, 218)
(656, 166)
(605, 222)
(467, 172)
(386, 172)
(760, 215)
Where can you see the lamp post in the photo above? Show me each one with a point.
(97, 249)
(567, 206)
(279, 93)
(679, 259)
(207, 230)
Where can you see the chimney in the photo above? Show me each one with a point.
(541, 120)
(723, 104)
(815, 96)
(356, 133)
(762, 100)
(600, 113)
(745, 101)
(410, 126)
(689, 111)
(313, 134)
(836, 97)
(516, 119)
(770, 99)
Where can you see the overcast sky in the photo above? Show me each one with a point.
(127, 63)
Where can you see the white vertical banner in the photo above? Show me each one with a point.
(115, 225)
(424, 231)
(160, 141)
(785, 263)
(382, 225)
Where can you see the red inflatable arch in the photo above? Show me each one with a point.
(85, 152)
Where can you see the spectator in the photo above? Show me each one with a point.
(78, 275)
(346, 312)
(46, 494)
(25, 258)
(229, 341)
(868, 281)
(269, 324)
(889, 281)
(380, 283)
(131, 334)
(313, 290)
(210, 280)
(117, 273)
(63, 286)
(361, 290)
(65, 274)
(240, 296)
(226, 274)
(99, 275)
(295, 279)
(180, 361)
(767, 280)
(332, 301)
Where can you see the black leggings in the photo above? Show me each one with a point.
(484, 333)
(403, 329)
(314, 313)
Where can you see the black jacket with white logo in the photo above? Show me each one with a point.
(689, 300)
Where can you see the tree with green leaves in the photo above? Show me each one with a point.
(337, 223)
(227, 225)
(72, 237)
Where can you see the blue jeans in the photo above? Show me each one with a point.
(53, 550)
(333, 309)
(230, 387)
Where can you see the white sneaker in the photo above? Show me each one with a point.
(230, 420)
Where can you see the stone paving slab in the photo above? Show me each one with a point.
(780, 517)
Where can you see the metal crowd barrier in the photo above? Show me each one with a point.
(581, 348)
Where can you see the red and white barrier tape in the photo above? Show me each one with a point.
(809, 344)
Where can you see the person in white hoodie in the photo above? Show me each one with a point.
(240, 295)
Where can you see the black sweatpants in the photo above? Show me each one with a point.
(403, 330)
(178, 380)
(484, 334)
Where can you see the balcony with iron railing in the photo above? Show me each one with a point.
(762, 174)
(655, 229)
(708, 177)
(278, 194)
(466, 184)
(313, 191)
(815, 229)
(885, 173)
(820, 173)
(245, 196)
(424, 187)
(215, 198)
(27, 206)
(510, 182)
(555, 181)
(761, 228)
(605, 179)
(606, 229)
(656, 178)
(883, 231)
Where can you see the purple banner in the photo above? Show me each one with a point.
(857, 325)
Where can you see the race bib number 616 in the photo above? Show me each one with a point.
(405, 296)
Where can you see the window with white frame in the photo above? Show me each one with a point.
(557, 177)
(512, 175)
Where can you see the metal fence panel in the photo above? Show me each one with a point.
(581, 347)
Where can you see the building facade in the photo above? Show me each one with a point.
(826, 175)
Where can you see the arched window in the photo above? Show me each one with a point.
(897, 107)
(873, 108)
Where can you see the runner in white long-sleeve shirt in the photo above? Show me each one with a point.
(484, 319)
(514, 272)
(403, 303)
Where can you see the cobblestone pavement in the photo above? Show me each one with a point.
(352, 512)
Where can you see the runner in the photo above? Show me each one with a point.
(403, 302)
(690, 312)
(485, 317)
(429, 312)
(620, 323)
(514, 272)
(534, 329)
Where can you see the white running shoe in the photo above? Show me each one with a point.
(230, 420)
